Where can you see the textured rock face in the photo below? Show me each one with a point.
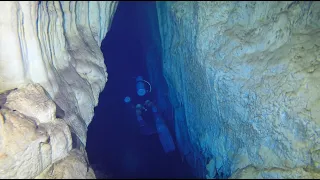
(74, 166)
(50, 51)
(245, 78)
(31, 136)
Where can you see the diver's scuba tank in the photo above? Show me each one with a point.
(141, 90)
(140, 86)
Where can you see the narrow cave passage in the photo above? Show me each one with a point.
(115, 145)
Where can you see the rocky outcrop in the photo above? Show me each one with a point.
(244, 80)
(73, 166)
(31, 136)
(51, 74)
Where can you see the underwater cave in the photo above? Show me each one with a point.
(166, 89)
(117, 146)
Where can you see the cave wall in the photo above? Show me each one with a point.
(51, 73)
(243, 78)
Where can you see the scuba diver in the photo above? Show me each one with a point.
(145, 127)
(161, 128)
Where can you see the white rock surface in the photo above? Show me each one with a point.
(28, 143)
(73, 166)
(245, 77)
(55, 46)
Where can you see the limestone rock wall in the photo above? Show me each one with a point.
(244, 79)
(51, 74)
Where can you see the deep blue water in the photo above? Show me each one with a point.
(114, 141)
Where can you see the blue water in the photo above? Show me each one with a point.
(114, 142)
